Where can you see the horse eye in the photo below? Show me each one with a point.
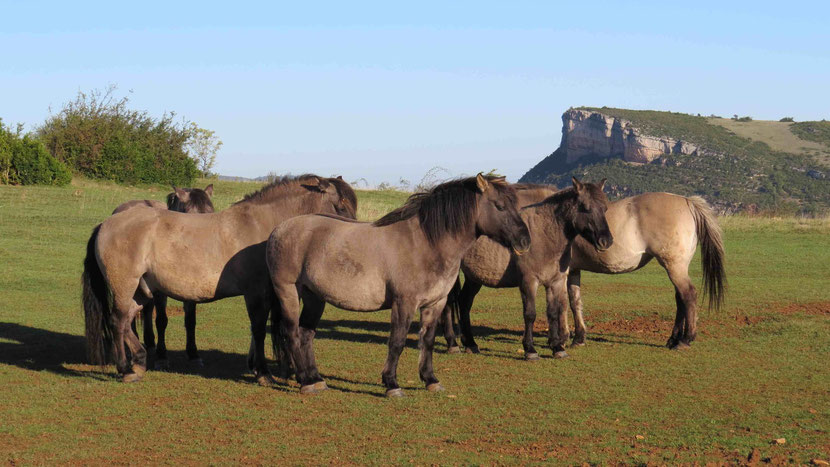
(500, 206)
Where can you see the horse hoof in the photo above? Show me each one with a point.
(197, 362)
(162, 365)
(397, 392)
(139, 370)
(532, 357)
(435, 387)
(680, 346)
(309, 389)
(320, 385)
(131, 378)
(266, 381)
(472, 349)
(561, 354)
(454, 349)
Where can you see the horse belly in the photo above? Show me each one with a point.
(490, 264)
(356, 292)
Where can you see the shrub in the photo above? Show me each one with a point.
(787, 119)
(98, 136)
(24, 161)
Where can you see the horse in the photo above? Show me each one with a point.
(667, 227)
(407, 261)
(554, 223)
(198, 258)
(186, 200)
(651, 225)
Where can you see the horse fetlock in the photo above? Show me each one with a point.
(435, 387)
(531, 356)
(395, 392)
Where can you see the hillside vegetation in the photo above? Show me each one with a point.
(735, 173)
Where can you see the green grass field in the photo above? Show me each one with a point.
(759, 370)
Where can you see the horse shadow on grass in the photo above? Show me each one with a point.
(36, 349)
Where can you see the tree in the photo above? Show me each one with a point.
(202, 146)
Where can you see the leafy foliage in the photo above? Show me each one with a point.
(732, 172)
(202, 146)
(97, 135)
(24, 161)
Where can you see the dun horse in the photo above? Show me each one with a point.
(407, 261)
(554, 223)
(137, 254)
(652, 225)
(186, 200)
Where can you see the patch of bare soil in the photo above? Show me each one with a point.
(815, 308)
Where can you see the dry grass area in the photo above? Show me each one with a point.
(776, 135)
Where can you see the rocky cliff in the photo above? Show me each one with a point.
(589, 133)
(646, 150)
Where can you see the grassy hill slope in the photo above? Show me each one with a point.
(749, 168)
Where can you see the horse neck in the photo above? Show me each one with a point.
(270, 213)
(560, 216)
(450, 248)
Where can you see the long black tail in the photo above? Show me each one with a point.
(96, 300)
(711, 248)
(279, 344)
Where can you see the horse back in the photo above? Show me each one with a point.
(644, 226)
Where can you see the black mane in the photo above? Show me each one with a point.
(446, 209)
(265, 193)
(199, 201)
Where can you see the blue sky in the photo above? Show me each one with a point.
(383, 91)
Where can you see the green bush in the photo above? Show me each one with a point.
(24, 161)
(787, 119)
(98, 136)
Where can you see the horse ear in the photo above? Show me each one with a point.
(602, 183)
(340, 177)
(209, 189)
(578, 186)
(183, 195)
(482, 183)
(316, 184)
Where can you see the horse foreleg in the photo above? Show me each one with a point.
(575, 299)
(190, 329)
(528, 291)
(401, 318)
(258, 314)
(557, 307)
(426, 344)
(161, 326)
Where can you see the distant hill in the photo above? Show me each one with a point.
(736, 165)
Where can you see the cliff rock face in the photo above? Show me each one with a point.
(585, 133)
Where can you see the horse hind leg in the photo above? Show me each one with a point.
(685, 322)
(125, 311)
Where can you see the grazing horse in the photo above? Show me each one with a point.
(200, 258)
(187, 200)
(554, 224)
(652, 225)
(407, 261)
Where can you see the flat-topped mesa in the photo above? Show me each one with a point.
(590, 133)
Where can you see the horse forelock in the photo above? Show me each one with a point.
(199, 202)
(447, 209)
